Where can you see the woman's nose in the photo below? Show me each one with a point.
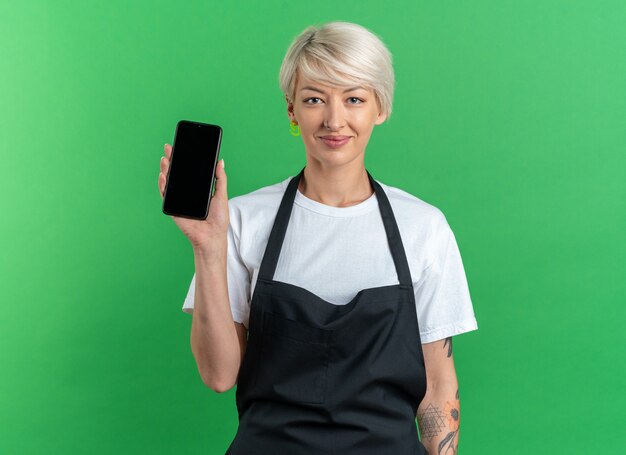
(332, 126)
(334, 120)
(334, 115)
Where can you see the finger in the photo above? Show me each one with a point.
(165, 164)
(220, 184)
(168, 151)
(161, 183)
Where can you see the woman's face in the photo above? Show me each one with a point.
(345, 112)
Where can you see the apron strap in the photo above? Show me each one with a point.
(277, 235)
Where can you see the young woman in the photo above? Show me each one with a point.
(330, 298)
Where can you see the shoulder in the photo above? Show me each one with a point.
(259, 198)
(410, 210)
(423, 226)
(257, 206)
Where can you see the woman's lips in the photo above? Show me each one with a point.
(335, 143)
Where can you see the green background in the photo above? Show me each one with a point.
(509, 116)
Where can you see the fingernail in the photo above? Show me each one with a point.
(223, 165)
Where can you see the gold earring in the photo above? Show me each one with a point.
(294, 128)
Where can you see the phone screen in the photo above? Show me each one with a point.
(191, 175)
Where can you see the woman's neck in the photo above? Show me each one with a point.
(337, 187)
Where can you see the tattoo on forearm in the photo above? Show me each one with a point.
(448, 341)
(433, 422)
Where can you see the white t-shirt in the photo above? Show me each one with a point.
(335, 252)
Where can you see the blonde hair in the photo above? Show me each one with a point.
(340, 54)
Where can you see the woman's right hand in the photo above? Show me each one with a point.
(203, 234)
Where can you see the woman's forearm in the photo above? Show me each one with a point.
(439, 417)
(214, 339)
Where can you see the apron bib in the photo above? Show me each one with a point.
(320, 378)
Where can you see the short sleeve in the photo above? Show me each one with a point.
(238, 278)
(443, 303)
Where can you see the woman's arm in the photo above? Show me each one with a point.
(438, 414)
(215, 339)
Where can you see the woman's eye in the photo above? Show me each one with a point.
(351, 98)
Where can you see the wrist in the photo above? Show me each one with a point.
(210, 249)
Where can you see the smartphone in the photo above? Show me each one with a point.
(191, 175)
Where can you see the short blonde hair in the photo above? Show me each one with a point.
(340, 54)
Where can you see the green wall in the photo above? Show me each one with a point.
(509, 116)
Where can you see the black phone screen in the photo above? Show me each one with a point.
(191, 174)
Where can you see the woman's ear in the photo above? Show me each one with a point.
(290, 113)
